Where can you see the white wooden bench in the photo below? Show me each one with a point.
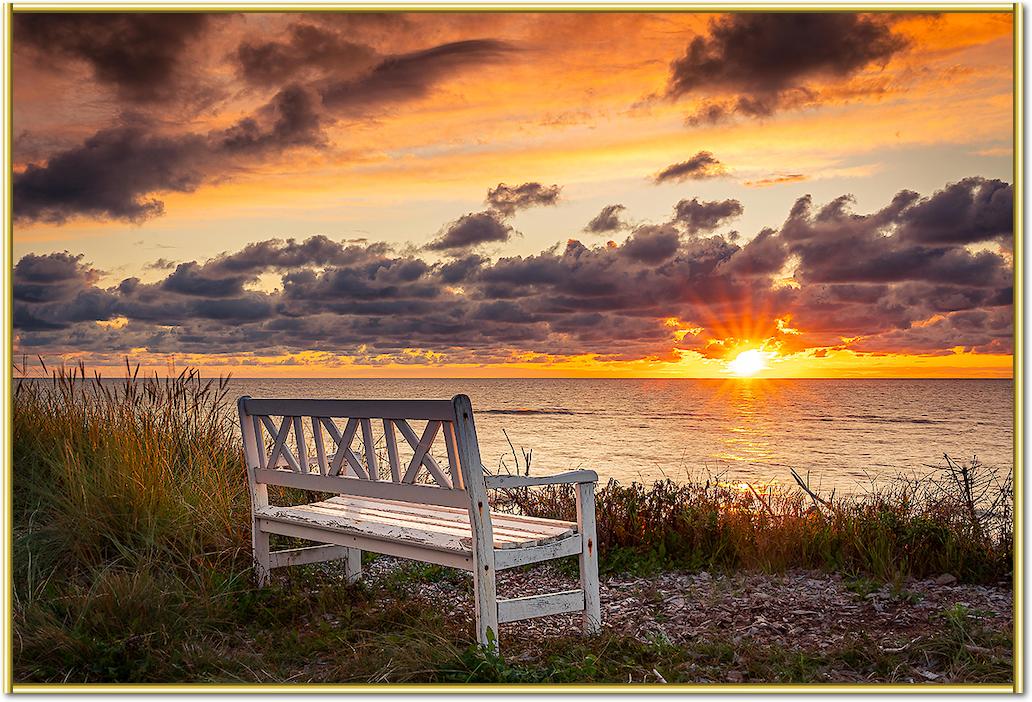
(414, 506)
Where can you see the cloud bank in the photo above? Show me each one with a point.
(922, 274)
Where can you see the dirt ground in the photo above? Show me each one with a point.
(801, 611)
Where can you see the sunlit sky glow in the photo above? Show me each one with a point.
(516, 194)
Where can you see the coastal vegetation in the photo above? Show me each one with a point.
(132, 563)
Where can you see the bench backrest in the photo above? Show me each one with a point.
(308, 444)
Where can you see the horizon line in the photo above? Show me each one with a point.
(531, 377)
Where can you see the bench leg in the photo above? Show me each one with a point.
(486, 600)
(262, 561)
(353, 564)
(592, 621)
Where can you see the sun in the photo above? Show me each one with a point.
(749, 362)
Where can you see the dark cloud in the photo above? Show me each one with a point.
(608, 220)
(246, 308)
(306, 49)
(116, 173)
(111, 176)
(698, 216)
(462, 269)
(764, 255)
(507, 199)
(652, 243)
(968, 212)
(405, 77)
(892, 280)
(190, 279)
(836, 245)
(472, 230)
(700, 166)
(317, 250)
(119, 172)
(162, 264)
(291, 118)
(52, 277)
(380, 285)
(765, 60)
(140, 55)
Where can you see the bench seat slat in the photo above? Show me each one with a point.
(378, 530)
(369, 542)
(448, 529)
(421, 508)
(359, 517)
(535, 527)
(445, 521)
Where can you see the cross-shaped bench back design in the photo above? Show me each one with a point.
(311, 444)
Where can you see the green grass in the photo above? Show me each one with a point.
(132, 564)
(613, 658)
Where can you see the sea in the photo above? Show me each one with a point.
(845, 434)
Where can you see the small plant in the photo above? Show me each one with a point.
(863, 586)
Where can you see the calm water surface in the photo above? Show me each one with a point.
(844, 432)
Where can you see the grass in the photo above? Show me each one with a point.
(614, 658)
(908, 529)
(132, 564)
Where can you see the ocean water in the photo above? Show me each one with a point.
(845, 433)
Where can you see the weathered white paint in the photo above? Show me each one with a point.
(259, 492)
(372, 465)
(432, 518)
(258, 444)
(307, 554)
(320, 447)
(353, 564)
(333, 520)
(302, 448)
(367, 543)
(419, 450)
(514, 481)
(592, 620)
(540, 605)
(371, 409)
(429, 494)
(449, 523)
(344, 452)
(484, 585)
(513, 557)
(535, 528)
(391, 440)
(279, 446)
(452, 446)
(424, 457)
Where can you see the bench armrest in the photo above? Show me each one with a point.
(514, 481)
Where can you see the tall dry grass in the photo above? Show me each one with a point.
(130, 518)
(125, 475)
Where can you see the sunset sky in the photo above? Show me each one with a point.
(515, 194)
